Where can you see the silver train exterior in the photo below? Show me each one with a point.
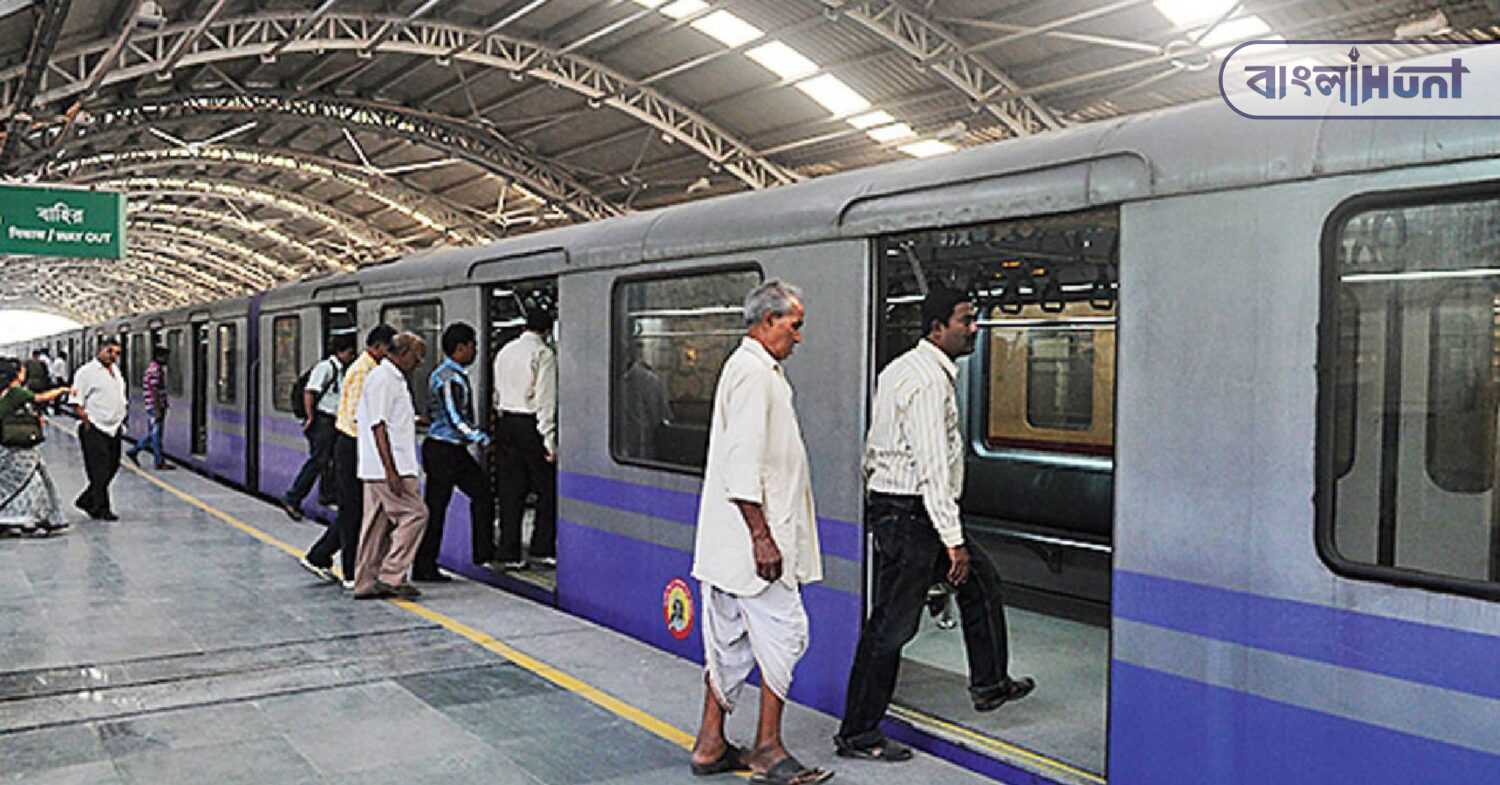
(1246, 646)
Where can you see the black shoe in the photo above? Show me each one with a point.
(405, 591)
(134, 457)
(85, 510)
(291, 512)
(107, 516)
(1012, 690)
(436, 577)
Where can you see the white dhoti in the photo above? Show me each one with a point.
(739, 632)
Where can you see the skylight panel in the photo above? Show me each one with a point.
(1187, 13)
(682, 9)
(834, 95)
(926, 148)
(727, 29)
(782, 60)
(872, 119)
(649, 3)
(1245, 27)
(891, 133)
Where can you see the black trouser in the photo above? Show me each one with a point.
(343, 535)
(448, 465)
(101, 459)
(319, 463)
(523, 466)
(909, 560)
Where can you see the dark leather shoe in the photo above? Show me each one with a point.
(1012, 690)
(436, 577)
(291, 512)
(405, 591)
(107, 516)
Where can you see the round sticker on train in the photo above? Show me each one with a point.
(677, 608)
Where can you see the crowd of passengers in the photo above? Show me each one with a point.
(756, 542)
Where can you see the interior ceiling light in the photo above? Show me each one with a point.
(1188, 13)
(927, 148)
(834, 95)
(683, 9)
(891, 133)
(1435, 23)
(872, 119)
(727, 29)
(782, 60)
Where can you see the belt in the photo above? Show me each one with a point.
(899, 501)
(521, 415)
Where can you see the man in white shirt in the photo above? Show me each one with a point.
(99, 400)
(757, 541)
(526, 440)
(395, 515)
(59, 368)
(914, 474)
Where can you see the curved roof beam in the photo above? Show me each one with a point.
(483, 148)
(264, 35)
(376, 244)
(927, 41)
(421, 207)
(255, 269)
(249, 226)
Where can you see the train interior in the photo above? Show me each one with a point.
(506, 307)
(1037, 402)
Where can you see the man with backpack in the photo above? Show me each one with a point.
(318, 397)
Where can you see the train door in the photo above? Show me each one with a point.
(340, 319)
(506, 308)
(200, 389)
(1036, 404)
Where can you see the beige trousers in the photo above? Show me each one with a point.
(389, 535)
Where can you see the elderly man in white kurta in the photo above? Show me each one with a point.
(757, 542)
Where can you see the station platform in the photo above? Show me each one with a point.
(184, 644)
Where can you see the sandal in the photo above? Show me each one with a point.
(731, 759)
(789, 771)
(886, 750)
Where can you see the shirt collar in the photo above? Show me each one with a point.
(449, 362)
(758, 350)
(949, 367)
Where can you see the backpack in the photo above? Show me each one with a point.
(299, 409)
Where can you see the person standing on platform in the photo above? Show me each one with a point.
(28, 499)
(99, 400)
(320, 399)
(526, 395)
(394, 513)
(154, 389)
(343, 536)
(757, 542)
(445, 455)
(39, 372)
(914, 475)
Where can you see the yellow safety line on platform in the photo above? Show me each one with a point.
(993, 744)
(580, 688)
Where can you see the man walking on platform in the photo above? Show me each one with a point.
(154, 389)
(321, 402)
(445, 455)
(98, 397)
(343, 536)
(757, 542)
(394, 513)
(914, 474)
(526, 395)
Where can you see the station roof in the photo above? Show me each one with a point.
(261, 142)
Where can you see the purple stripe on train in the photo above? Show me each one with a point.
(840, 538)
(278, 468)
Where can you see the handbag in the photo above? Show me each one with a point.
(21, 429)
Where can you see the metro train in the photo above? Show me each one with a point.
(1234, 397)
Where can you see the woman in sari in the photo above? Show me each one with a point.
(28, 499)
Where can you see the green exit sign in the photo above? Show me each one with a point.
(71, 222)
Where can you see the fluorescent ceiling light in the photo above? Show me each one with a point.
(1186, 13)
(926, 148)
(890, 133)
(780, 59)
(727, 28)
(872, 119)
(834, 95)
(683, 9)
(650, 3)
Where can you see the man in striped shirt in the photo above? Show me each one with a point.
(154, 387)
(914, 474)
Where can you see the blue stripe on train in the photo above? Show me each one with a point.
(837, 537)
(1359, 641)
(1168, 730)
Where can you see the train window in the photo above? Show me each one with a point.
(670, 338)
(227, 357)
(1060, 379)
(426, 320)
(1408, 405)
(286, 359)
(174, 363)
(137, 359)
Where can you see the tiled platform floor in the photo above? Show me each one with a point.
(173, 647)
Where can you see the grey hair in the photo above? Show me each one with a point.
(407, 341)
(772, 298)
